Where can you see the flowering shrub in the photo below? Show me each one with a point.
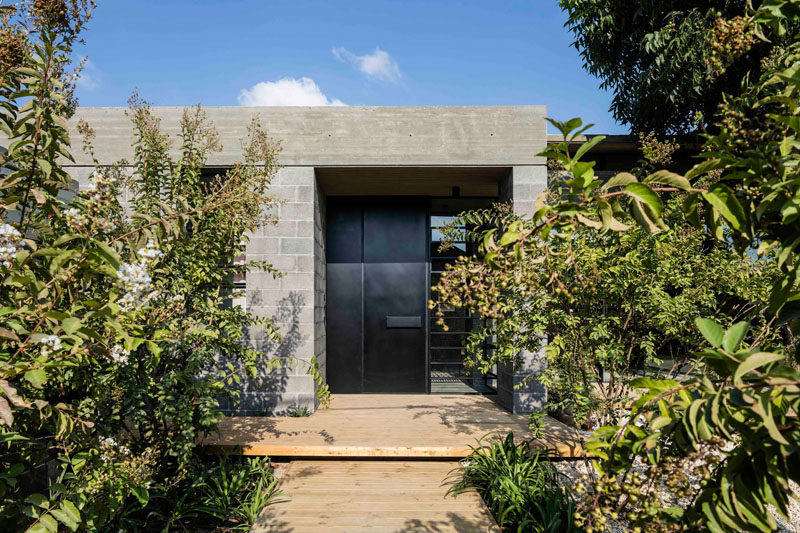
(112, 322)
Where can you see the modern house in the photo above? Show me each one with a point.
(365, 192)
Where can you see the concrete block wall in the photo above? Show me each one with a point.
(523, 186)
(451, 136)
(296, 301)
(289, 300)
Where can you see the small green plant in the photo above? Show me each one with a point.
(236, 491)
(297, 411)
(250, 508)
(517, 484)
(556, 509)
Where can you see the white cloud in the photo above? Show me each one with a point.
(89, 77)
(286, 92)
(379, 64)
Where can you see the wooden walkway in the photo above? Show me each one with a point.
(375, 496)
(387, 426)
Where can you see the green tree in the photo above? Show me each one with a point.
(112, 322)
(612, 304)
(714, 450)
(665, 62)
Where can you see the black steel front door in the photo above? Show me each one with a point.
(377, 290)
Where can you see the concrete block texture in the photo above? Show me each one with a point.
(518, 389)
(290, 301)
(328, 138)
(524, 186)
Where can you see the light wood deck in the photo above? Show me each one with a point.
(387, 425)
(375, 496)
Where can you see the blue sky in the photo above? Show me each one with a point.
(379, 52)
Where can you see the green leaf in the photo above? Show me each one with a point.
(70, 516)
(620, 180)
(588, 145)
(692, 415)
(711, 330)
(153, 348)
(141, 494)
(790, 211)
(606, 211)
(643, 218)
(586, 221)
(734, 336)
(27, 71)
(701, 168)
(8, 334)
(672, 179)
(65, 518)
(8, 437)
(509, 237)
(764, 407)
(754, 361)
(38, 500)
(37, 377)
(107, 254)
(79, 460)
(71, 325)
(723, 199)
(645, 194)
(46, 167)
(690, 211)
(46, 524)
(661, 385)
(712, 524)
(65, 238)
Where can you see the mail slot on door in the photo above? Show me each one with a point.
(403, 321)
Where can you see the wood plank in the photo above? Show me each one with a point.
(391, 496)
(388, 425)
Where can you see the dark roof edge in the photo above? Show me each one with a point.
(624, 143)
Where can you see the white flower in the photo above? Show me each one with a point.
(9, 244)
(100, 186)
(135, 282)
(75, 219)
(50, 344)
(118, 354)
(150, 251)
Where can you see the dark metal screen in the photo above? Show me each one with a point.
(447, 349)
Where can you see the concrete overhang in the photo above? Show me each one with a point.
(348, 136)
(482, 182)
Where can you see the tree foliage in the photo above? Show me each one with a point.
(618, 304)
(665, 62)
(112, 320)
(713, 450)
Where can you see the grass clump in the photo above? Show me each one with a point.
(518, 484)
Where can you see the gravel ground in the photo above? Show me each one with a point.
(573, 470)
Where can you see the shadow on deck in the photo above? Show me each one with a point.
(387, 426)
